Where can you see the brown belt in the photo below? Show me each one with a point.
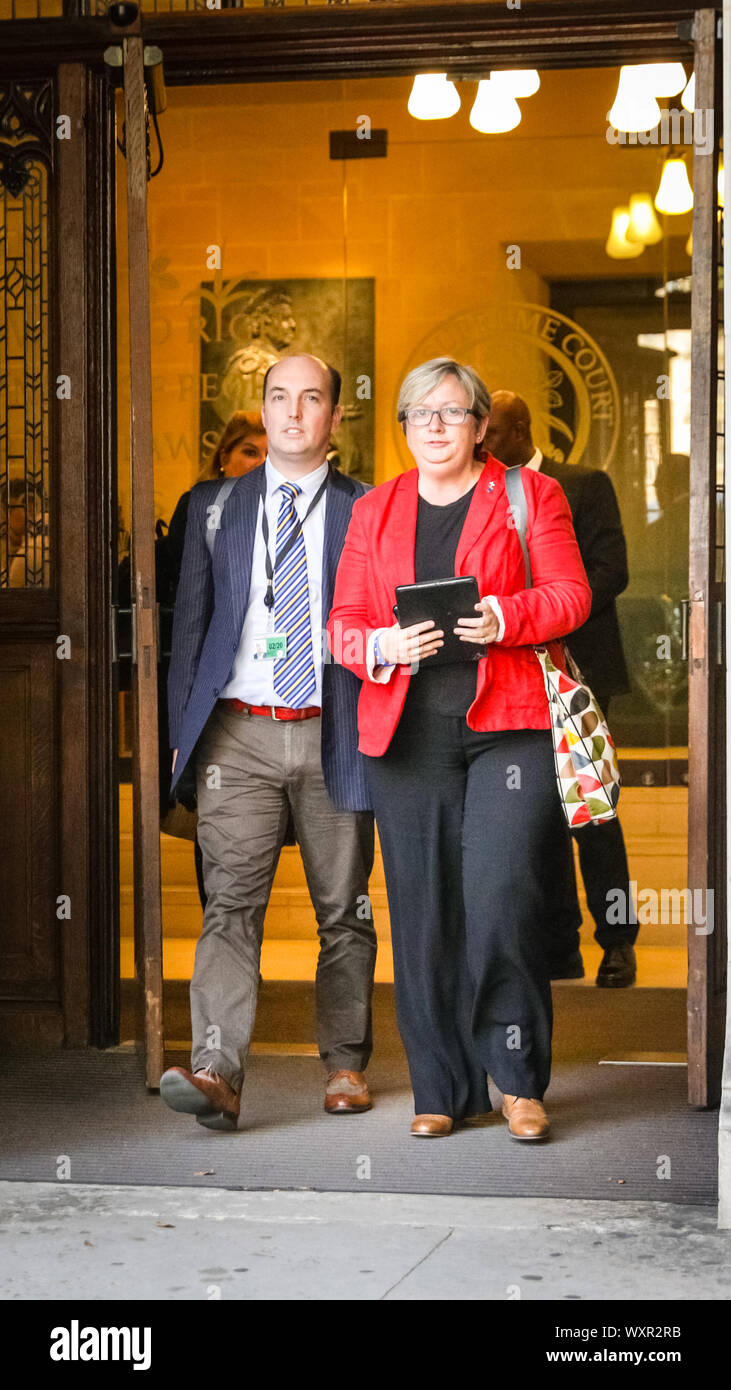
(278, 712)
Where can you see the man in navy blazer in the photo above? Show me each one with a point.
(269, 726)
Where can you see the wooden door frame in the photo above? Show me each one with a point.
(397, 39)
(237, 46)
(86, 550)
(706, 761)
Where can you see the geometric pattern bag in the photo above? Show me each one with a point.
(583, 748)
(587, 772)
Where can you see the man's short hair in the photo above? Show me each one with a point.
(336, 380)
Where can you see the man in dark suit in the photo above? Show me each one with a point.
(597, 649)
(271, 727)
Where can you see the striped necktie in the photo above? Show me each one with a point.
(294, 675)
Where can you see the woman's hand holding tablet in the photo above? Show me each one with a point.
(408, 645)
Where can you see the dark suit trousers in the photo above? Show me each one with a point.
(604, 868)
(253, 773)
(468, 857)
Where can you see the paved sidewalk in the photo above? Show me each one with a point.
(72, 1241)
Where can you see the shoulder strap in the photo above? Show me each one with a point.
(219, 501)
(519, 508)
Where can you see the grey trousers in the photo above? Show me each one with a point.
(250, 771)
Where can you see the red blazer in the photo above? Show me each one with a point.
(379, 554)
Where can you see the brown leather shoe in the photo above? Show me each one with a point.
(431, 1126)
(346, 1093)
(526, 1118)
(204, 1094)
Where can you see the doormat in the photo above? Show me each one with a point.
(86, 1116)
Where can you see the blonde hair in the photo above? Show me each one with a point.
(242, 425)
(429, 375)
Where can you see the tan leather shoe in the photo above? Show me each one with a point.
(526, 1118)
(431, 1126)
(204, 1094)
(346, 1093)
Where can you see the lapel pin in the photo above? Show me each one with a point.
(490, 486)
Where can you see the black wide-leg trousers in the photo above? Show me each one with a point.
(469, 824)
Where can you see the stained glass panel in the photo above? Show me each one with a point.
(25, 115)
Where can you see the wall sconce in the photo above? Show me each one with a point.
(433, 97)
(675, 194)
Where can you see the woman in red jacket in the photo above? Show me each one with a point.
(460, 757)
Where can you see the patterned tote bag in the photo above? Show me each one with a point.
(586, 758)
(587, 772)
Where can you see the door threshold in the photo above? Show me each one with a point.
(257, 1049)
(645, 1059)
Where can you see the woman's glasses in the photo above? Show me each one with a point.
(420, 416)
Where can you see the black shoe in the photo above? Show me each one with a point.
(618, 968)
(572, 968)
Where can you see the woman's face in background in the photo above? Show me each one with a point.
(244, 456)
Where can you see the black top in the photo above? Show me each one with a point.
(448, 689)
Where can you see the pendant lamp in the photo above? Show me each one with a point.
(643, 226)
(495, 110)
(433, 97)
(675, 194)
(618, 247)
(634, 107)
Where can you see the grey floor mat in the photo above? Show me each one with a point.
(616, 1131)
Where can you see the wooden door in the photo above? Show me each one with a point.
(706, 703)
(145, 776)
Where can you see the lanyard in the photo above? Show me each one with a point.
(294, 535)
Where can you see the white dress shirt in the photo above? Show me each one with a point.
(250, 680)
(535, 460)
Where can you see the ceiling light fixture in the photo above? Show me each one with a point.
(634, 108)
(675, 194)
(519, 82)
(494, 111)
(433, 97)
(618, 247)
(661, 79)
(688, 98)
(643, 226)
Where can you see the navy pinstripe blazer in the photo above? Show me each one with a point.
(210, 607)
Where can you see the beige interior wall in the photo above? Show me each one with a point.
(248, 168)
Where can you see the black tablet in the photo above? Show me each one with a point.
(445, 601)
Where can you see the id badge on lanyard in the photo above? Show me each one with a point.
(270, 646)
